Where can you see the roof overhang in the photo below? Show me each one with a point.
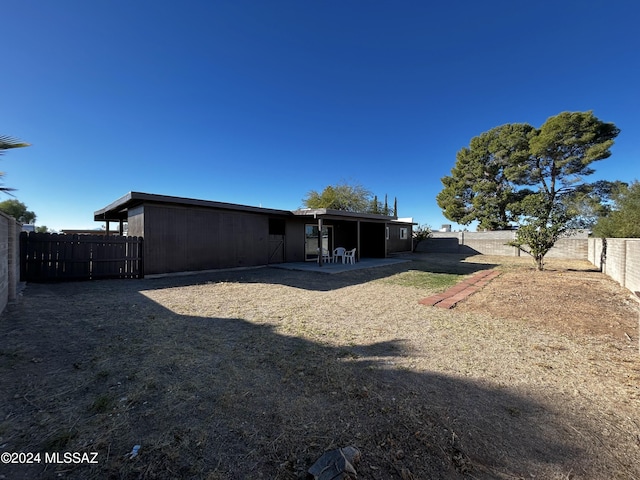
(119, 210)
(329, 214)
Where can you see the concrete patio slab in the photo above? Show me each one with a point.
(332, 268)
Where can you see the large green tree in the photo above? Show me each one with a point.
(350, 198)
(7, 143)
(347, 197)
(623, 221)
(17, 210)
(592, 201)
(483, 183)
(561, 154)
(527, 175)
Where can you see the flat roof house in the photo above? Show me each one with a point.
(185, 234)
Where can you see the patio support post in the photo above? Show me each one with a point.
(319, 242)
(107, 232)
(121, 227)
(358, 241)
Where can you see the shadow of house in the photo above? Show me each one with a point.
(230, 398)
(182, 234)
(317, 281)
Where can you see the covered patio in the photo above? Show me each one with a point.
(373, 236)
(332, 268)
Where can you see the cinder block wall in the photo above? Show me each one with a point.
(619, 258)
(495, 243)
(595, 252)
(4, 261)
(632, 276)
(570, 247)
(9, 259)
(616, 260)
(490, 243)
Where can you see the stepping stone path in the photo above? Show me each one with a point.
(449, 298)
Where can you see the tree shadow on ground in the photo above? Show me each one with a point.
(99, 367)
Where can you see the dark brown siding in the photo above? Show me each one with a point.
(135, 222)
(395, 243)
(179, 239)
(294, 246)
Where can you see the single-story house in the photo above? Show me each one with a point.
(185, 234)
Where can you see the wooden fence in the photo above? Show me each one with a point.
(46, 257)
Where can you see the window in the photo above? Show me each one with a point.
(276, 226)
(311, 240)
(387, 233)
(403, 233)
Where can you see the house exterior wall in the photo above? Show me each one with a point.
(294, 240)
(183, 234)
(135, 222)
(396, 244)
(179, 239)
(345, 234)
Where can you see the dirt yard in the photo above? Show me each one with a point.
(255, 373)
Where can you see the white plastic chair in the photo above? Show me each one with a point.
(350, 256)
(338, 252)
(326, 256)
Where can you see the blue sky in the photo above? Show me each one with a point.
(258, 102)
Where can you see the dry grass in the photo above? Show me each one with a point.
(254, 374)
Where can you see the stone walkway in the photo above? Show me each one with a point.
(460, 291)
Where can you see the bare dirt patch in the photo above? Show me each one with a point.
(568, 296)
(254, 374)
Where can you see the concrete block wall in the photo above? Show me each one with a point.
(595, 252)
(13, 259)
(570, 247)
(485, 243)
(440, 243)
(491, 243)
(4, 261)
(9, 259)
(632, 277)
(616, 260)
(495, 243)
(619, 258)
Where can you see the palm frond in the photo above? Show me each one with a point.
(7, 142)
